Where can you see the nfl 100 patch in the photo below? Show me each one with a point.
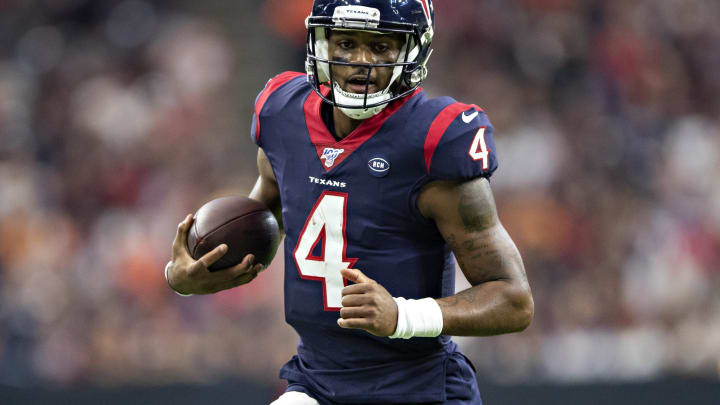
(329, 155)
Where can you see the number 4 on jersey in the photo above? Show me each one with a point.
(325, 227)
(478, 149)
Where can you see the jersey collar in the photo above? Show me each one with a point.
(322, 139)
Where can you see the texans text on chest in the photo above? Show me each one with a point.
(327, 182)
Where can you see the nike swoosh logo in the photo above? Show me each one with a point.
(468, 118)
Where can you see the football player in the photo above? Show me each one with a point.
(378, 189)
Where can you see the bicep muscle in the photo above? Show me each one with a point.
(466, 215)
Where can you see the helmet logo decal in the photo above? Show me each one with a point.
(356, 17)
(426, 9)
(330, 154)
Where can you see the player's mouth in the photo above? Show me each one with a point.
(358, 83)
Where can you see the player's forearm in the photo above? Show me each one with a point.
(266, 189)
(267, 193)
(490, 308)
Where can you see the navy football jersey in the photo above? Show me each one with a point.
(352, 204)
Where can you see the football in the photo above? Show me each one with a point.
(246, 226)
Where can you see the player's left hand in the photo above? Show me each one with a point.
(367, 305)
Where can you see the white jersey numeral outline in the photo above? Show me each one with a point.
(325, 224)
(483, 153)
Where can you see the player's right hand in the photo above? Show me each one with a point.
(189, 276)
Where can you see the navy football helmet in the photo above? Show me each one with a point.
(413, 18)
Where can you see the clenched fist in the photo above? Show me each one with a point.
(367, 305)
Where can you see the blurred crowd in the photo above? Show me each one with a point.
(119, 117)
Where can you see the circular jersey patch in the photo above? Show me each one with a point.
(379, 167)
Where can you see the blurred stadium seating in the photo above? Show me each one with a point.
(119, 117)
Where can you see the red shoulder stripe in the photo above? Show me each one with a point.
(272, 85)
(440, 125)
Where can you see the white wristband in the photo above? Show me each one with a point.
(167, 269)
(421, 318)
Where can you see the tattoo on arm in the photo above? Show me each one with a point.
(476, 213)
(499, 300)
(453, 300)
(481, 245)
(486, 257)
(466, 215)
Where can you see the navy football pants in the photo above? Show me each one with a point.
(460, 384)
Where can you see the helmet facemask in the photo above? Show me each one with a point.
(407, 72)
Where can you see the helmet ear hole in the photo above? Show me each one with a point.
(421, 72)
(321, 51)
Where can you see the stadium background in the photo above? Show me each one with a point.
(117, 118)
